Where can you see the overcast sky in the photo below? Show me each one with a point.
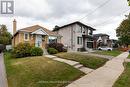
(49, 13)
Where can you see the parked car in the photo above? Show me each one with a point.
(105, 48)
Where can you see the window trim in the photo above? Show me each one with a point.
(27, 37)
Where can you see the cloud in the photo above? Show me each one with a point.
(49, 13)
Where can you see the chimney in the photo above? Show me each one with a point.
(14, 26)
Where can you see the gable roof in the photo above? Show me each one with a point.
(77, 22)
(34, 28)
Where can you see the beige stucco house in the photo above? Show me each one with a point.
(36, 35)
(76, 36)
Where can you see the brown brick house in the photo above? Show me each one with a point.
(102, 40)
(35, 35)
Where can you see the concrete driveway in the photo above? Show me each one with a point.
(3, 79)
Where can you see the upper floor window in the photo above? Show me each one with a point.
(90, 32)
(80, 29)
(26, 36)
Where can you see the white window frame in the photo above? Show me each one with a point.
(27, 37)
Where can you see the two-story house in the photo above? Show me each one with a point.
(102, 40)
(76, 36)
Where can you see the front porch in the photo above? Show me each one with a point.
(88, 42)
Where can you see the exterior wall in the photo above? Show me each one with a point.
(19, 38)
(104, 39)
(70, 35)
(78, 34)
(67, 37)
(44, 42)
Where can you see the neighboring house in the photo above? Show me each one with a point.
(76, 36)
(114, 43)
(35, 35)
(102, 40)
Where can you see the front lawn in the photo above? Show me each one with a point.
(38, 72)
(88, 61)
(109, 53)
(124, 79)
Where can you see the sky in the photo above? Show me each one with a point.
(49, 13)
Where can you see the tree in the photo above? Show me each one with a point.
(123, 32)
(5, 36)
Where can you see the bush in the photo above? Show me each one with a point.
(36, 51)
(57, 46)
(52, 51)
(22, 50)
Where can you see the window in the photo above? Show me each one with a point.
(52, 39)
(90, 32)
(26, 36)
(79, 40)
(79, 29)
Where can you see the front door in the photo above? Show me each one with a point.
(38, 42)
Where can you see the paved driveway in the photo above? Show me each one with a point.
(3, 80)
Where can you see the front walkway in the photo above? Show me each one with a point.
(72, 63)
(3, 80)
(104, 76)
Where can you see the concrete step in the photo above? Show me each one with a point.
(78, 66)
(86, 70)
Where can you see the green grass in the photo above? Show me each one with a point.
(38, 72)
(124, 79)
(109, 53)
(129, 57)
(88, 61)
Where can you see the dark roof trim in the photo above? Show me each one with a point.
(77, 22)
(98, 35)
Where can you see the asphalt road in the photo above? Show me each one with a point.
(3, 79)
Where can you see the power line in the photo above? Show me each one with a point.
(100, 6)
(110, 18)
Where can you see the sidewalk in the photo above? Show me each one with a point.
(104, 76)
(3, 79)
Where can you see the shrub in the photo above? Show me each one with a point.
(52, 51)
(57, 46)
(36, 51)
(22, 50)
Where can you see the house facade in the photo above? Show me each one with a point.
(102, 40)
(35, 35)
(76, 36)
